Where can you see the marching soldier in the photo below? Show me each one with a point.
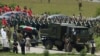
(37, 25)
(15, 23)
(33, 23)
(27, 22)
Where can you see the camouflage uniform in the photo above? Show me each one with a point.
(8, 33)
(19, 37)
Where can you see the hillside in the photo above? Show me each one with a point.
(67, 7)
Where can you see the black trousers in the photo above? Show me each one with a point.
(93, 50)
(15, 49)
(23, 49)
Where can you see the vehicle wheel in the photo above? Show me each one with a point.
(68, 47)
(79, 48)
(48, 44)
(60, 48)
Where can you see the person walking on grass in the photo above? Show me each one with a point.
(15, 47)
(2, 39)
(28, 40)
(80, 5)
(5, 43)
(22, 44)
(21, 41)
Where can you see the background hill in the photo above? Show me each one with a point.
(67, 7)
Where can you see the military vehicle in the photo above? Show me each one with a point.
(65, 37)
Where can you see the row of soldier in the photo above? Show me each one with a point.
(42, 22)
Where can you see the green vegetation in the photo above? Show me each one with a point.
(67, 7)
(97, 40)
(46, 53)
(83, 53)
(12, 5)
(98, 12)
(34, 54)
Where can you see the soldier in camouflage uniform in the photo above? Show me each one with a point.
(9, 33)
(19, 36)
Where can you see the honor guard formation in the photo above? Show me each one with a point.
(23, 28)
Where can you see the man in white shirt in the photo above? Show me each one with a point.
(1, 31)
(4, 39)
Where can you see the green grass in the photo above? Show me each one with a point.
(67, 7)
(34, 54)
(97, 40)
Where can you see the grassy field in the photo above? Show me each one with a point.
(34, 54)
(67, 7)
